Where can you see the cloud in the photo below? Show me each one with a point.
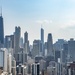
(44, 21)
(69, 24)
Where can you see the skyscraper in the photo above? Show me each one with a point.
(9, 63)
(42, 35)
(17, 39)
(17, 42)
(26, 42)
(49, 45)
(3, 58)
(42, 40)
(65, 53)
(21, 42)
(36, 48)
(58, 45)
(71, 49)
(9, 41)
(26, 37)
(1, 30)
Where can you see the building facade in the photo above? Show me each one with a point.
(1, 30)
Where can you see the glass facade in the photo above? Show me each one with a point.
(1, 30)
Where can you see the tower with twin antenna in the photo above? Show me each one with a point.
(1, 28)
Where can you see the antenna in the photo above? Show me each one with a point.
(0, 11)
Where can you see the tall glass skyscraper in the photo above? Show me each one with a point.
(1, 30)
(42, 40)
(42, 35)
(17, 35)
(49, 45)
(26, 42)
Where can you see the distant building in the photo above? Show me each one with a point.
(13, 69)
(9, 63)
(58, 45)
(52, 68)
(57, 55)
(42, 35)
(21, 57)
(38, 58)
(21, 69)
(61, 45)
(36, 48)
(71, 68)
(29, 69)
(65, 53)
(45, 49)
(42, 40)
(42, 65)
(17, 41)
(1, 30)
(59, 67)
(35, 69)
(50, 51)
(71, 49)
(21, 42)
(26, 42)
(9, 41)
(3, 59)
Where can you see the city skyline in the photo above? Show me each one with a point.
(37, 37)
(57, 17)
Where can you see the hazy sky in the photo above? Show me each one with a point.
(56, 17)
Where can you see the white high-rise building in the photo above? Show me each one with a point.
(13, 67)
(3, 58)
(9, 64)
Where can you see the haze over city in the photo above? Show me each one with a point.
(37, 37)
(55, 16)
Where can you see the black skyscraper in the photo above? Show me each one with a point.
(49, 45)
(1, 30)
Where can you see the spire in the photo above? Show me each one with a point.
(0, 11)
